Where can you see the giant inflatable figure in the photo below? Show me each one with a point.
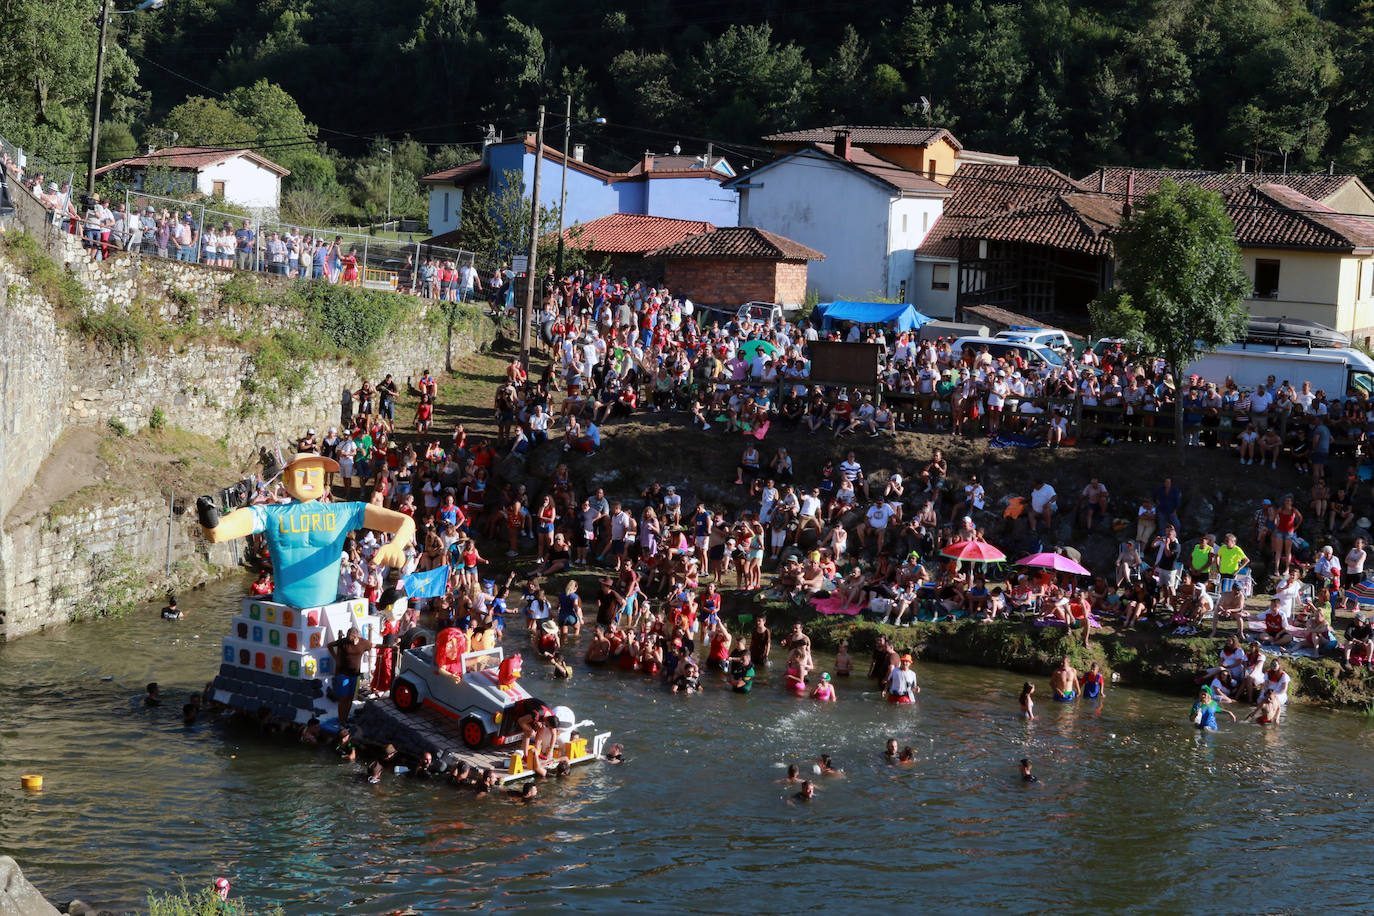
(305, 537)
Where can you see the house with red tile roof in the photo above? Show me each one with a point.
(1050, 252)
(737, 264)
(240, 176)
(624, 242)
(673, 187)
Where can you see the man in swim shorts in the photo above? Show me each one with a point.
(1065, 682)
(348, 652)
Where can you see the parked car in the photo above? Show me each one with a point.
(1003, 348)
(1053, 338)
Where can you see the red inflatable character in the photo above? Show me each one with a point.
(449, 647)
(508, 673)
(385, 666)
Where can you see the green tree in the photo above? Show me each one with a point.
(497, 223)
(743, 84)
(1180, 286)
(202, 121)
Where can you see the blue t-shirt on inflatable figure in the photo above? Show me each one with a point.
(305, 537)
(305, 540)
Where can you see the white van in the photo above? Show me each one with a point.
(1045, 337)
(1335, 370)
(1003, 348)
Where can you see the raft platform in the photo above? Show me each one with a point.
(423, 729)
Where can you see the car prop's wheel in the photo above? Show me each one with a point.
(415, 636)
(472, 731)
(405, 695)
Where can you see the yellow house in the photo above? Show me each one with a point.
(929, 151)
(1306, 260)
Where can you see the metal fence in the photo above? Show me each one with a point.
(364, 260)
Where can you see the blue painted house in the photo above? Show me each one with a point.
(675, 187)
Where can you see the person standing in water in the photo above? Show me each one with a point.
(1028, 700)
(1205, 709)
(1094, 684)
(1065, 682)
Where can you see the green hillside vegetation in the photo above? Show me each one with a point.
(317, 86)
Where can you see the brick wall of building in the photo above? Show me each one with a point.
(791, 282)
(719, 281)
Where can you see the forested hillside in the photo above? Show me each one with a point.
(1072, 84)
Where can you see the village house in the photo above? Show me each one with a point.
(1307, 243)
(240, 177)
(674, 187)
(738, 264)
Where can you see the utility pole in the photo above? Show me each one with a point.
(388, 185)
(563, 193)
(527, 312)
(99, 82)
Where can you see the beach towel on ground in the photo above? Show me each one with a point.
(1011, 440)
(831, 605)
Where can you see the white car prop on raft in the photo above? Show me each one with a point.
(480, 690)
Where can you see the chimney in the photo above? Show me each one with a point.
(1130, 194)
(1102, 181)
(1331, 167)
(647, 163)
(579, 150)
(842, 144)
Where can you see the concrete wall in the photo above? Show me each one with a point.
(1333, 289)
(691, 198)
(830, 208)
(245, 183)
(933, 302)
(445, 208)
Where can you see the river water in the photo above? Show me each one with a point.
(1134, 812)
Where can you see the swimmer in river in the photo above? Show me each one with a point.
(374, 773)
(826, 767)
(526, 793)
(1028, 700)
(153, 699)
(808, 792)
(907, 755)
(1204, 714)
(171, 611)
(1266, 713)
(890, 750)
(1093, 682)
(844, 665)
(793, 774)
(824, 691)
(616, 754)
(1065, 682)
(1026, 774)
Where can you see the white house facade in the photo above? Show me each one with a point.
(867, 216)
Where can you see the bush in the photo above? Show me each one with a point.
(54, 282)
(157, 419)
(203, 903)
(350, 318)
(117, 426)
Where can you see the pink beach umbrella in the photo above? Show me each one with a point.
(1055, 561)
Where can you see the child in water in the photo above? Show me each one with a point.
(1205, 710)
(1093, 682)
(825, 691)
(843, 663)
(1028, 700)
(1026, 774)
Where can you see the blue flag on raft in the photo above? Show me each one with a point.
(429, 584)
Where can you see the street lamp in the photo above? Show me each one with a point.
(563, 194)
(105, 13)
(387, 150)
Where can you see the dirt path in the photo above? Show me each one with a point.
(73, 463)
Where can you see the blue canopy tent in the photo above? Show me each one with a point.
(905, 316)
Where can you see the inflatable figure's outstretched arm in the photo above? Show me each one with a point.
(393, 553)
(237, 524)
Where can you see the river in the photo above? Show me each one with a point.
(1134, 810)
